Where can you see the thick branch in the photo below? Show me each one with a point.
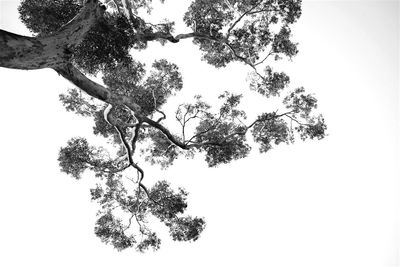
(69, 72)
(174, 140)
(75, 30)
(128, 9)
(165, 131)
(28, 53)
(175, 39)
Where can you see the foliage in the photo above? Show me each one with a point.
(160, 149)
(128, 78)
(269, 84)
(47, 16)
(78, 156)
(75, 102)
(162, 202)
(254, 32)
(247, 38)
(106, 44)
(270, 130)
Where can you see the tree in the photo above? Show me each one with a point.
(80, 39)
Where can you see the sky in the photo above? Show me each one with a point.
(333, 202)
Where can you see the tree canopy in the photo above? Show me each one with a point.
(79, 39)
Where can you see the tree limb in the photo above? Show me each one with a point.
(69, 72)
(49, 51)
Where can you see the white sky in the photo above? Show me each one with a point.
(333, 202)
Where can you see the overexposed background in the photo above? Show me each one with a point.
(333, 202)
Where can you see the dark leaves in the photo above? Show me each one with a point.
(150, 241)
(105, 45)
(75, 102)
(270, 84)
(127, 78)
(165, 79)
(160, 149)
(220, 135)
(111, 231)
(73, 158)
(102, 127)
(222, 141)
(226, 151)
(243, 30)
(215, 53)
(283, 45)
(207, 16)
(229, 107)
(302, 106)
(78, 156)
(47, 16)
(164, 203)
(316, 128)
(186, 228)
(270, 130)
(300, 102)
(124, 77)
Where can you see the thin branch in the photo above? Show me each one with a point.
(242, 16)
(263, 60)
(295, 120)
(156, 109)
(135, 137)
(130, 222)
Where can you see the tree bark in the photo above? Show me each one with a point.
(30, 53)
(52, 51)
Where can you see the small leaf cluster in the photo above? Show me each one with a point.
(303, 104)
(270, 129)
(78, 155)
(273, 128)
(160, 150)
(270, 84)
(223, 138)
(75, 102)
(111, 231)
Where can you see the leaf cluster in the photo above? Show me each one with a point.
(47, 16)
(161, 202)
(105, 45)
(243, 30)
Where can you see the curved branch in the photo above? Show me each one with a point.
(135, 137)
(165, 131)
(69, 72)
